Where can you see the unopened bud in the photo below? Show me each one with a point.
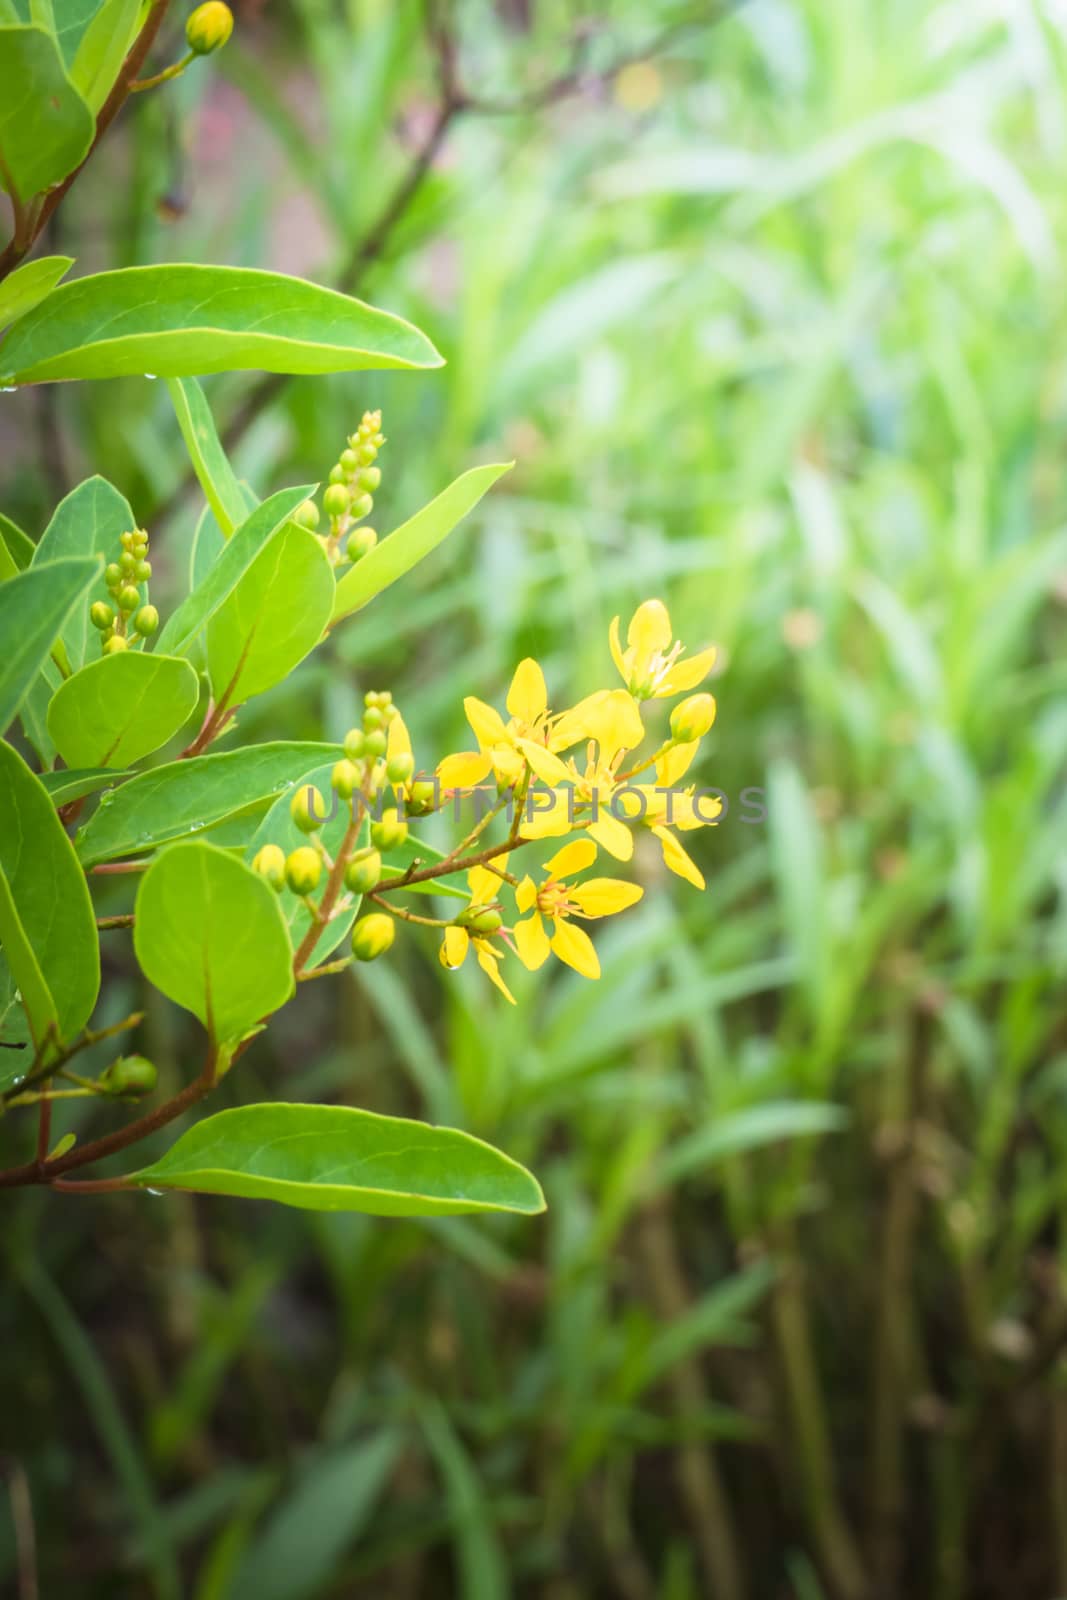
(336, 500)
(209, 27)
(692, 718)
(480, 920)
(345, 779)
(422, 798)
(307, 808)
(146, 621)
(390, 832)
(363, 872)
(372, 936)
(303, 869)
(360, 543)
(114, 645)
(355, 743)
(400, 767)
(129, 598)
(269, 862)
(101, 615)
(132, 1075)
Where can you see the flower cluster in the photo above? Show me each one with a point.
(570, 775)
(349, 495)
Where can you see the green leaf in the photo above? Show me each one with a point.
(230, 502)
(210, 934)
(224, 575)
(185, 797)
(90, 520)
(47, 925)
(279, 828)
(102, 49)
(65, 786)
(70, 19)
(15, 1033)
(181, 320)
(46, 127)
(274, 617)
(34, 606)
(414, 539)
(119, 709)
(749, 1129)
(19, 545)
(29, 284)
(337, 1158)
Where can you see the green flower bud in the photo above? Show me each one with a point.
(307, 515)
(128, 562)
(363, 872)
(335, 500)
(355, 744)
(692, 718)
(146, 621)
(126, 540)
(303, 869)
(129, 1075)
(373, 718)
(114, 645)
(307, 808)
(367, 454)
(269, 862)
(143, 571)
(370, 478)
(129, 598)
(481, 920)
(209, 27)
(377, 697)
(139, 541)
(346, 778)
(390, 832)
(112, 574)
(400, 768)
(372, 936)
(337, 474)
(349, 461)
(375, 743)
(101, 615)
(422, 798)
(361, 543)
(362, 506)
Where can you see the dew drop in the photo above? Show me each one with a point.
(157, 1192)
(151, 378)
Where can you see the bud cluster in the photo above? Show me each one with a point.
(125, 612)
(349, 495)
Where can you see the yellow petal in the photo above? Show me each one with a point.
(614, 835)
(616, 650)
(488, 725)
(485, 884)
(574, 857)
(650, 630)
(574, 946)
(487, 960)
(464, 771)
(528, 697)
(398, 742)
(603, 897)
(526, 894)
(550, 823)
(508, 763)
(688, 672)
(615, 723)
(531, 942)
(675, 763)
(548, 768)
(676, 858)
(454, 947)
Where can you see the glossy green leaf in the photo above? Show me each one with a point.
(228, 499)
(15, 1036)
(19, 545)
(414, 539)
(119, 709)
(34, 606)
(225, 574)
(89, 521)
(70, 20)
(29, 284)
(185, 797)
(275, 616)
(279, 828)
(64, 786)
(47, 925)
(46, 127)
(337, 1158)
(210, 934)
(102, 49)
(182, 320)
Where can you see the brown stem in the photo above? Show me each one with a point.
(18, 247)
(329, 898)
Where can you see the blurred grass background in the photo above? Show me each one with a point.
(769, 308)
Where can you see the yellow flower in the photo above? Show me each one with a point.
(484, 886)
(582, 797)
(649, 666)
(498, 741)
(665, 807)
(557, 901)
